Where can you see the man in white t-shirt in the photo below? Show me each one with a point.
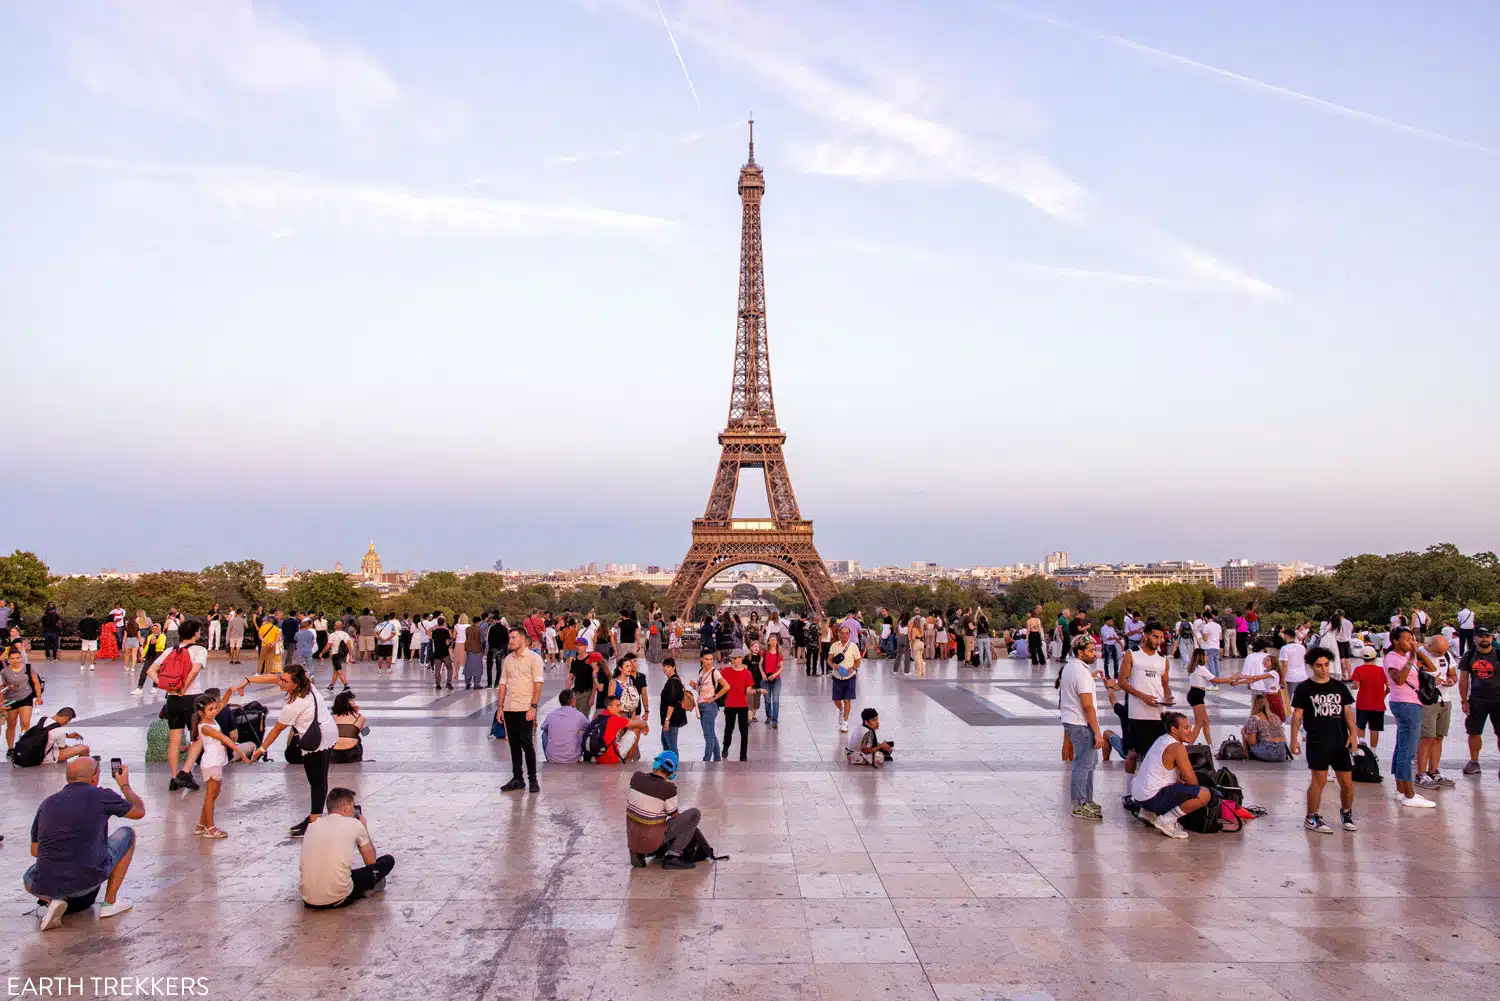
(1435, 660)
(1465, 630)
(180, 703)
(328, 878)
(1210, 633)
(1293, 659)
(1262, 673)
(1080, 720)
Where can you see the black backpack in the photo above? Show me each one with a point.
(1366, 765)
(1209, 820)
(1185, 630)
(699, 850)
(1200, 757)
(31, 746)
(1231, 750)
(594, 744)
(1228, 785)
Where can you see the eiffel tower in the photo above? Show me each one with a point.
(751, 440)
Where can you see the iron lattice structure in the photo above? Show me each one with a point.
(751, 440)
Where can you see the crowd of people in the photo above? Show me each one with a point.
(1320, 692)
(1303, 683)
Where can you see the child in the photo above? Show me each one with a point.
(1370, 685)
(866, 747)
(215, 756)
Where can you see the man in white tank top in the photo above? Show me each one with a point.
(1143, 677)
(1165, 785)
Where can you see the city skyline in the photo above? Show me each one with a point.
(464, 280)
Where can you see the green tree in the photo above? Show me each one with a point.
(325, 592)
(25, 582)
(240, 583)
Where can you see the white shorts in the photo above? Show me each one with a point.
(88, 646)
(56, 741)
(215, 772)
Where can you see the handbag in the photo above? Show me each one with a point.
(1427, 688)
(313, 736)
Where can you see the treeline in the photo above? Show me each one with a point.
(1367, 588)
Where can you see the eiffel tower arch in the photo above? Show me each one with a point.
(751, 440)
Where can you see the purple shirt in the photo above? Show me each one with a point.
(562, 735)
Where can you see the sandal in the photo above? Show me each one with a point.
(198, 830)
(214, 834)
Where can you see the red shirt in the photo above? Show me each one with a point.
(612, 728)
(1373, 684)
(534, 626)
(739, 682)
(770, 666)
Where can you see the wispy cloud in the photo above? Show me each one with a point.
(193, 58)
(648, 144)
(1342, 110)
(1111, 277)
(883, 141)
(680, 61)
(277, 203)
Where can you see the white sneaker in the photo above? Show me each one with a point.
(1417, 802)
(137, 691)
(843, 726)
(118, 907)
(91, 667)
(1168, 827)
(53, 915)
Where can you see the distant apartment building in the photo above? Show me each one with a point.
(1272, 575)
(1055, 561)
(843, 568)
(1104, 586)
(1236, 573)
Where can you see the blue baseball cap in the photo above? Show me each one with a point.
(666, 761)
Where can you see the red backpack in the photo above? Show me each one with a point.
(172, 673)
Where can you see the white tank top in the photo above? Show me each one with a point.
(1151, 776)
(1146, 673)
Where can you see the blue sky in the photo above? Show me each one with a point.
(1137, 280)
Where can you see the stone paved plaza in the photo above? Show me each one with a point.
(955, 874)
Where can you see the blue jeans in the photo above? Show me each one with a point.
(984, 651)
(708, 717)
(1408, 726)
(773, 700)
(1213, 659)
(121, 840)
(1085, 757)
(669, 737)
(1111, 657)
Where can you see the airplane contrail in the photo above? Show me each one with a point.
(1270, 88)
(680, 61)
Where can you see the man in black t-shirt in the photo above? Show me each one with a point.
(628, 630)
(441, 653)
(88, 636)
(1479, 693)
(582, 670)
(1325, 708)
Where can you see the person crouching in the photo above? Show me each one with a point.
(652, 821)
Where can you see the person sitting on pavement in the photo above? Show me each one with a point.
(350, 747)
(1165, 785)
(622, 737)
(74, 850)
(47, 743)
(866, 747)
(328, 878)
(653, 824)
(1265, 739)
(562, 731)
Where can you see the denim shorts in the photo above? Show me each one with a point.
(1169, 798)
(121, 840)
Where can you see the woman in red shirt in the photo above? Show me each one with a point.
(737, 703)
(770, 666)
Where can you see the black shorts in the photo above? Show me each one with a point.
(179, 711)
(1346, 649)
(1195, 696)
(1140, 734)
(1370, 719)
(22, 703)
(1321, 757)
(1478, 713)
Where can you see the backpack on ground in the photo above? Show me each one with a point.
(157, 739)
(593, 742)
(1228, 786)
(1231, 750)
(1209, 820)
(1366, 765)
(699, 850)
(175, 666)
(31, 746)
(497, 727)
(1200, 757)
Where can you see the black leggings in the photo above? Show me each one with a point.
(315, 765)
(741, 716)
(1035, 650)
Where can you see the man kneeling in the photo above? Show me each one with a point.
(652, 820)
(1165, 785)
(74, 849)
(328, 877)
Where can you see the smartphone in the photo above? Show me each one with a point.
(359, 814)
(115, 764)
